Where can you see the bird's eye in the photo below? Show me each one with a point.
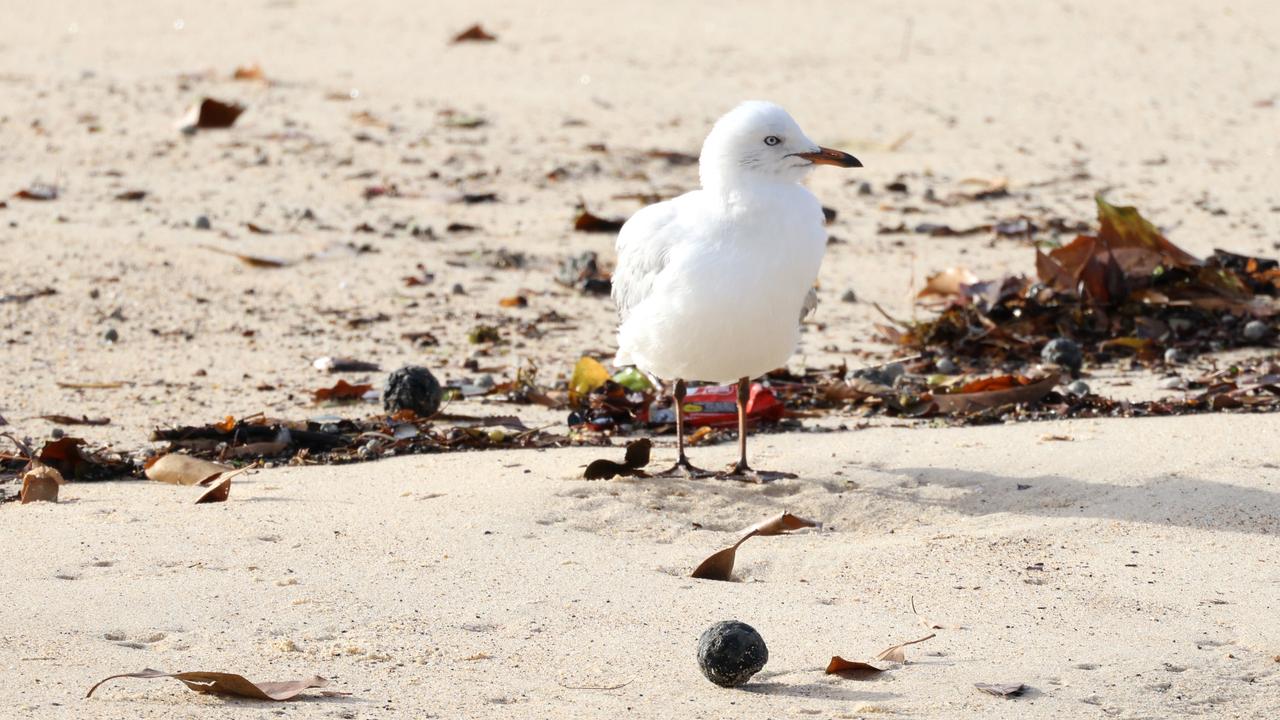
(772, 140)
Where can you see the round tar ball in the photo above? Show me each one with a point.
(730, 652)
(412, 388)
(1064, 352)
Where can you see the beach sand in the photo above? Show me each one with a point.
(1119, 568)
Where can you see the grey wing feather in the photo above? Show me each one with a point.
(643, 244)
(810, 304)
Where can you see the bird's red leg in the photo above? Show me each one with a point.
(682, 466)
(744, 391)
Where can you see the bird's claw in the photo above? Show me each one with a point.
(744, 473)
(685, 470)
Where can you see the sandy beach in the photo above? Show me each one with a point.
(1116, 567)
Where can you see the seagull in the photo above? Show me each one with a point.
(712, 285)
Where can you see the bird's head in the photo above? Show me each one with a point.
(760, 141)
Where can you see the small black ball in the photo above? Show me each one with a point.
(1064, 352)
(730, 652)
(412, 388)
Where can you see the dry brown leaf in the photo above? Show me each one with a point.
(587, 222)
(179, 469)
(994, 392)
(249, 72)
(131, 195)
(852, 669)
(40, 483)
(720, 565)
(210, 114)
(515, 301)
(636, 457)
(342, 390)
(218, 683)
(896, 654)
(948, 283)
(475, 33)
(69, 420)
(218, 493)
(258, 261)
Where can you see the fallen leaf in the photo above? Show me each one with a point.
(218, 493)
(40, 483)
(475, 33)
(1001, 689)
(217, 683)
(994, 392)
(179, 469)
(341, 391)
(515, 301)
(131, 195)
(720, 565)
(948, 283)
(69, 420)
(210, 114)
(852, 669)
(637, 456)
(257, 229)
(896, 654)
(27, 296)
(587, 222)
(90, 385)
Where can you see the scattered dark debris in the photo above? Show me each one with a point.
(587, 222)
(41, 192)
(636, 457)
(475, 33)
(673, 158)
(71, 420)
(582, 272)
(1125, 291)
(131, 195)
(210, 114)
(27, 296)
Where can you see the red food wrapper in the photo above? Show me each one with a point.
(717, 406)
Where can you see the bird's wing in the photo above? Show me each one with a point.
(643, 245)
(810, 304)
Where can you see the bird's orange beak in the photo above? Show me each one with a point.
(827, 156)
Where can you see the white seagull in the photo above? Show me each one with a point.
(712, 285)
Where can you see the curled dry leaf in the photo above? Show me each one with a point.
(636, 458)
(218, 493)
(69, 420)
(249, 72)
(896, 654)
(258, 261)
(720, 565)
(948, 283)
(218, 683)
(179, 469)
(210, 114)
(40, 483)
(994, 392)
(852, 669)
(475, 33)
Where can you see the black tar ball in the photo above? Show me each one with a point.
(412, 388)
(730, 652)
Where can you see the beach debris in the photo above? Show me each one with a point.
(210, 114)
(454, 119)
(1064, 352)
(27, 296)
(40, 192)
(343, 364)
(258, 261)
(636, 457)
(897, 653)
(590, 223)
(131, 195)
(720, 565)
(40, 484)
(71, 420)
(948, 283)
(221, 683)
(514, 301)
(588, 374)
(582, 272)
(1004, 690)
(731, 652)
(249, 72)
(412, 388)
(993, 392)
(481, 334)
(73, 461)
(342, 391)
(475, 33)
(179, 469)
(1124, 290)
(219, 492)
(852, 669)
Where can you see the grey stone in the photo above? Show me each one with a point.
(1079, 388)
(412, 388)
(202, 222)
(947, 366)
(1064, 352)
(1255, 330)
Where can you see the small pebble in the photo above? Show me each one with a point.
(1078, 388)
(111, 335)
(202, 222)
(730, 652)
(1064, 352)
(1255, 330)
(1175, 356)
(947, 366)
(849, 296)
(56, 433)
(457, 289)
